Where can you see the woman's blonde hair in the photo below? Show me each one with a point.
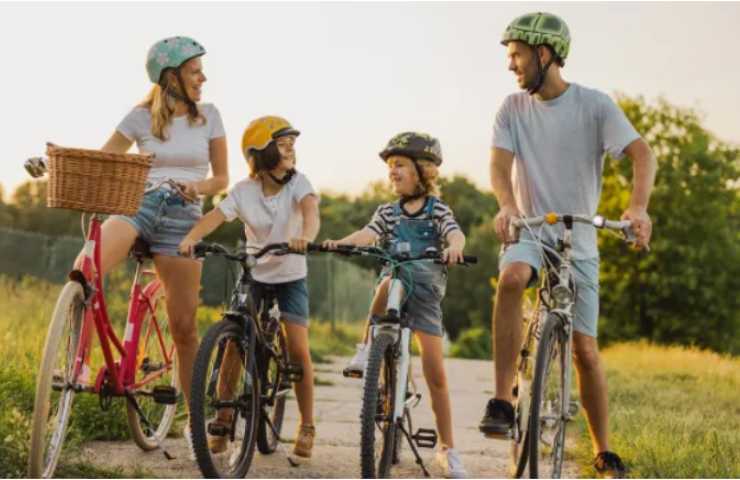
(162, 105)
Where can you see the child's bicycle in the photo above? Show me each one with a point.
(389, 392)
(241, 375)
(139, 367)
(544, 365)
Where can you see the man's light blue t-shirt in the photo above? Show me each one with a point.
(559, 147)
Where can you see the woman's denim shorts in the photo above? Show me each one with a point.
(163, 220)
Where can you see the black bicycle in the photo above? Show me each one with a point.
(389, 392)
(241, 375)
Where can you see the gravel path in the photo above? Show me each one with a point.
(337, 448)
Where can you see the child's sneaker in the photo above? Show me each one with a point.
(356, 366)
(304, 441)
(451, 463)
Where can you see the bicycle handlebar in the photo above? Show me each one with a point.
(402, 258)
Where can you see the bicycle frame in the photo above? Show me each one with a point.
(121, 373)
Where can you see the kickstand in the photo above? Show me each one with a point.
(280, 445)
(147, 425)
(413, 449)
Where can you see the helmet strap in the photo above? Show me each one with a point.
(541, 72)
(286, 178)
(420, 190)
(183, 96)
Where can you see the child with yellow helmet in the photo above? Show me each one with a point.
(276, 203)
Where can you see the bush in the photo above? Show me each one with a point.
(473, 343)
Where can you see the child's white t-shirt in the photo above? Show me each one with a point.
(270, 220)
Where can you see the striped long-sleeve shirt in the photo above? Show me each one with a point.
(384, 220)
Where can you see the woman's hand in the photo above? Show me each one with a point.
(299, 244)
(186, 247)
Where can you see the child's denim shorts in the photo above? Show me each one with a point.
(424, 302)
(163, 220)
(292, 299)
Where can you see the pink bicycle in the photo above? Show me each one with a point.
(140, 366)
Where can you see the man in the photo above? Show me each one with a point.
(549, 143)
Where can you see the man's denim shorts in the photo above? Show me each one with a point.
(163, 220)
(586, 272)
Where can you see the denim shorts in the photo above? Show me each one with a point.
(292, 298)
(163, 220)
(424, 301)
(586, 273)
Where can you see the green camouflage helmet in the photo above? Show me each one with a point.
(414, 145)
(540, 28)
(171, 53)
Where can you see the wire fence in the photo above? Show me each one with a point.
(339, 291)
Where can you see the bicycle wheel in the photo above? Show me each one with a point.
(377, 409)
(275, 387)
(155, 366)
(547, 416)
(54, 384)
(225, 387)
(523, 394)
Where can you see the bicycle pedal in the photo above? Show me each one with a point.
(425, 438)
(218, 429)
(352, 373)
(164, 394)
(293, 372)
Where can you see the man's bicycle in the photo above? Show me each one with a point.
(389, 392)
(241, 374)
(140, 366)
(542, 386)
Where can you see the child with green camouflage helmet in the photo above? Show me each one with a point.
(419, 220)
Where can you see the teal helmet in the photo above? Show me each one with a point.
(171, 53)
(540, 28)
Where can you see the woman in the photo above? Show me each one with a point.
(186, 138)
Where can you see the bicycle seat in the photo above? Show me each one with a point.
(140, 250)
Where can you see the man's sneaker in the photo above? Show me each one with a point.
(304, 441)
(609, 465)
(498, 421)
(189, 441)
(451, 463)
(356, 366)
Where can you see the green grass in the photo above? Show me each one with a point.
(25, 309)
(674, 412)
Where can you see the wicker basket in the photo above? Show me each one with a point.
(94, 181)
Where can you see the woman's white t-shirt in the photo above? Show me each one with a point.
(268, 220)
(185, 155)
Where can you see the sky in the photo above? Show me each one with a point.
(348, 75)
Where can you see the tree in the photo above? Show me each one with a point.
(685, 289)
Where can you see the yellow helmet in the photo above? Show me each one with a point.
(260, 132)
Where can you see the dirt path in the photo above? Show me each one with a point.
(336, 453)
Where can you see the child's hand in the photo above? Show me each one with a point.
(186, 247)
(330, 244)
(299, 244)
(452, 255)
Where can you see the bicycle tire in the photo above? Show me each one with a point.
(273, 377)
(379, 361)
(69, 313)
(549, 353)
(150, 356)
(236, 461)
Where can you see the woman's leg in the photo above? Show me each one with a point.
(116, 239)
(181, 280)
(432, 362)
(298, 352)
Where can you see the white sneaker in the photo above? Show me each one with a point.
(356, 366)
(451, 463)
(189, 441)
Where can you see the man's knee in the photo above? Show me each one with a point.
(585, 351)
(514, 278)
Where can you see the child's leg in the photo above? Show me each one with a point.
(432, 362)
(298, 352)
(377, 307)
